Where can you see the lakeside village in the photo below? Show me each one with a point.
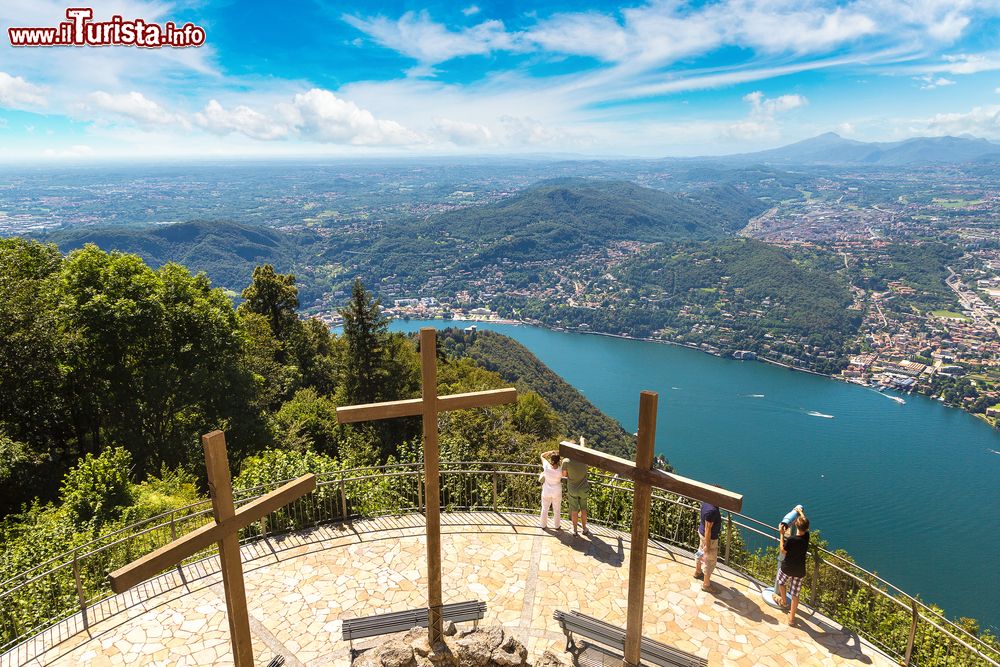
(929, 354)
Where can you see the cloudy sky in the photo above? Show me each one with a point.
(375, 78)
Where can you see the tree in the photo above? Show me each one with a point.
(366, 332)
(96, 489)
(275, 296)
(309, 421)
(32, 348)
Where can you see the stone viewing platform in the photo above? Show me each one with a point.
(300, 587)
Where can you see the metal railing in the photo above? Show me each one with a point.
(900, 625)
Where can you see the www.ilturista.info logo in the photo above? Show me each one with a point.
(80, 30)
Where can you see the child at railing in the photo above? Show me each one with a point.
(551, 478)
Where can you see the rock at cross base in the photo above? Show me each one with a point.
(549, 659)
(484, 647)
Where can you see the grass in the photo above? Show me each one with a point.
(949, 314)
(956, 202)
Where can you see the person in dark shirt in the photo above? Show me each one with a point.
(793, 567)
(708, 547)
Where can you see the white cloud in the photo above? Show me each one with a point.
(763, 106)
(218, 120)
(761, 122)
(416, 35)
(980, 121)
(16, 93)
(584, 34)
(137, 107)
(846, 129)
(463, 133)
(968, 63)
(319, 114)
(930, 82)
(75, 151)
(765, 26)
(471, 10)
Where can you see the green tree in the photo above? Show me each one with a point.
(96, 489)
(32, 375)
(275, 296)
(366, 331)
(308, 421)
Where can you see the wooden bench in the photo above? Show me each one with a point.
(599, 632)
(401, 621)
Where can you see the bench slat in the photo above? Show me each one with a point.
(401, 621)
(574, 622)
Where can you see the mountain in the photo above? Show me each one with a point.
(516, 364)
(226, 251)
(832, 149)
(549, 222)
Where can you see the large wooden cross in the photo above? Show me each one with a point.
(224, 530)
(645, 477)
(428, 406)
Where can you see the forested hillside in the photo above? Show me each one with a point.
(226, 251)
(517, 365)
(111, 365)
(729, 294)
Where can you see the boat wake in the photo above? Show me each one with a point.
(813, 413)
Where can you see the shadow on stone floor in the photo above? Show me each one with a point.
(593, 546)
(735, 601)
(841, 643)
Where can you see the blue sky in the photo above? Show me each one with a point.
(643, 78)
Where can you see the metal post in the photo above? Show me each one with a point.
(494, 490)
(913, 632)
(79, 591)
(343, 500)
(729, 537)
(814, 596)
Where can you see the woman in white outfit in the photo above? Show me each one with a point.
(552, 474)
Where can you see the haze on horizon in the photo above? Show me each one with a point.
(649, 79)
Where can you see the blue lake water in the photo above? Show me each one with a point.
(911, 491)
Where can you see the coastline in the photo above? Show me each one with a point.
(690, 346)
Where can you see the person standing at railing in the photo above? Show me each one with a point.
(793, 567)
(708, 547)
(551, 478)
(577, 490)
(787, 523)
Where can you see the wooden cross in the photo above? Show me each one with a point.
(224, 530)
(428, 406)
(645, 477)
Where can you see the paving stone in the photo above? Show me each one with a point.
(300, 593)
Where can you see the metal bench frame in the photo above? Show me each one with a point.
(401, 621)
(573, 622)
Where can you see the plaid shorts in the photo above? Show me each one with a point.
(794, 583)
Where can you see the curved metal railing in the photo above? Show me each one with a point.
(75, 582)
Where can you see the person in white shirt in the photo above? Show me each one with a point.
(551, 477)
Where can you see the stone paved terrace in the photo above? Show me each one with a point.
(301, 586)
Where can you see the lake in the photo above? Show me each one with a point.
(912, 491)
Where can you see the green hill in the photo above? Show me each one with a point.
(517, 365)
(567, 211)
(551, 221)
(226, 251)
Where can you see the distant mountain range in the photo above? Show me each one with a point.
(833, 149)
(226, 251)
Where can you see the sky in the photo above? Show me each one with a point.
(375, 78)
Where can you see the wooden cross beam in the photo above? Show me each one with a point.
(224, 531)
(428, 406)
(645, 477)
